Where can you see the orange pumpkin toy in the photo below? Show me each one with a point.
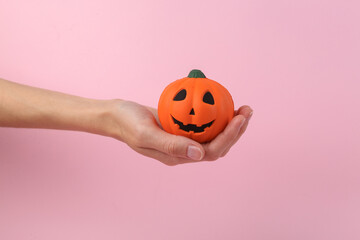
(195, 107)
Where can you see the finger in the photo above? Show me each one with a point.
(163, 157)
(247, 112)
(216, 147)
(172, 145)
(243, 110)
(242, 130)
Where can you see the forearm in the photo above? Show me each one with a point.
(29, 107)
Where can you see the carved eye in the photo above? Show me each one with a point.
(180, 95)
(208, 98)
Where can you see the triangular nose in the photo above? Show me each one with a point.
(192, 112)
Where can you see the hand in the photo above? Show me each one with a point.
(139, 127)
(136, 125)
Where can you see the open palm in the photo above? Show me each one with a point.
(140, 128)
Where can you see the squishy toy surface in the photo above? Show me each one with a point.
(195, 107)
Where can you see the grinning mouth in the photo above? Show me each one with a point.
(192, 127)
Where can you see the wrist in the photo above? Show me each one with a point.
(106, 118)
(98, 118)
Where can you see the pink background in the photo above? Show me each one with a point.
(295, 174)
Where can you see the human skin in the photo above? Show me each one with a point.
(136, 125)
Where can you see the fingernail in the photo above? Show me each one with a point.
(194, 153)
(241, 124)
(250, 115)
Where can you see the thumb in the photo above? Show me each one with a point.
(173, 145)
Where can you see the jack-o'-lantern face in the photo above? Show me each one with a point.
(195, 107)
